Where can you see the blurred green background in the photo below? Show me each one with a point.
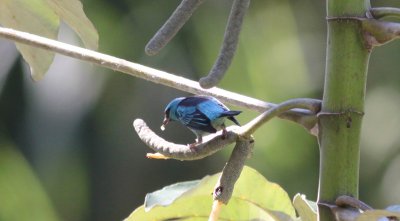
(68, 150)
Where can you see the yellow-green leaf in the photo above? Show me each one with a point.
(306, 209)
(254, 198)
(36, 17)
(42, 17)
(71, 12)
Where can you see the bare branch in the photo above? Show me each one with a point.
(231, 172)
(214, 143)
(305, 103)
(301, 116)
(348, 201)
(377, 33)
(180, 16)
(385, 12)
(229, 44)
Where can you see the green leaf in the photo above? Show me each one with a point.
(42, 17)
(36, 17)
(22, 196)
(168, 194)
(254, 198)
(71, 12)
(306, 209)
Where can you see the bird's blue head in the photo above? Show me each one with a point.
(170, 111)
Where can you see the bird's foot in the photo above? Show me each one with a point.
(224, 134)
(192, 146)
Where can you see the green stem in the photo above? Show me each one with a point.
(343, 103)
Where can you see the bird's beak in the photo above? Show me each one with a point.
(165, 122)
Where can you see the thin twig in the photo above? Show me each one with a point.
(215, 211)
(384, 12)
(305, 103)
(214, 143)
(228, 49)
(304, 117)
(178, 18)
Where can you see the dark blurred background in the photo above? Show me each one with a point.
(68, 150)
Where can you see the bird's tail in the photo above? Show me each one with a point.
(230, 115)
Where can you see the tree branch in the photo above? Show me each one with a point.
(384, 12)
(305, 103)
(212, 144)
(300, 116)
(377, 33)
(229, 44)
(178, 18)
(231, 172)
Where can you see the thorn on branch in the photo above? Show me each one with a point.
(174, 23)
(214, 143)
(229, 45)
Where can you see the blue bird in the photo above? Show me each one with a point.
(201, 114)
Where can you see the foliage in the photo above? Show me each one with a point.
(42, 17)
(254, 198)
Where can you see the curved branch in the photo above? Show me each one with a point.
(348, 201)
(377, 33)
(231, 172)
(384, 12)
(178, 18)
(305, 103)
(214, 143)
(229, 44)
(303, 117)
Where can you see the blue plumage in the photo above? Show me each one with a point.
(201, 114)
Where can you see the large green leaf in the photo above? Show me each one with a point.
(36, 17)
(42, 17)
(71, 12)
(254, 198)
(21, 194)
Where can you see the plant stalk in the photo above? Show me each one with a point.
(343, 103)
